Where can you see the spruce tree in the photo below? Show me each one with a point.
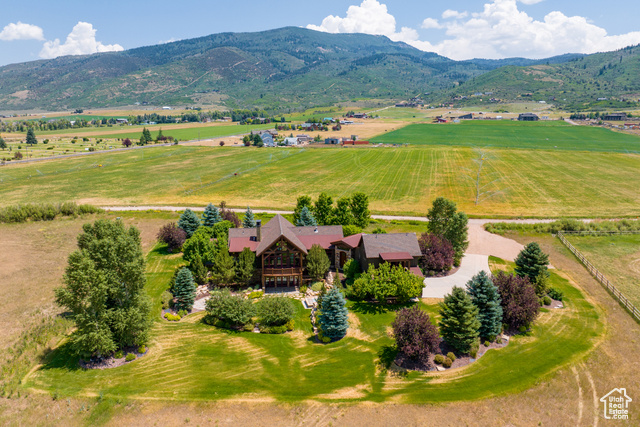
(249, 220)
(31, 137)
(532, 262)
(459, 322)
(189, 222)
(334, 316)
(223, 272)
(484, 295)
(145, 138)
(211, 216)
(306, 218)
(300, 204)
(184, 290)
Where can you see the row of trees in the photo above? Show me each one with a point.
(348, 211)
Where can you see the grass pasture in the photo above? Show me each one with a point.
(398, 180)
(617, 257)
(192, 361)
(553, 135)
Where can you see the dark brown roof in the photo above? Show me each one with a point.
(395, 256)
(351, 242)
(375, 244)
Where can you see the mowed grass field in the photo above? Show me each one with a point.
(617, 257)
(403, 180)
(193, 361)
(552, 135)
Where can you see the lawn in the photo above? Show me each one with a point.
(401, 180)
(191, 133)
(192, 361)
(617, 257)
(553, 135)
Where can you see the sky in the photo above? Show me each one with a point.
(465, 29)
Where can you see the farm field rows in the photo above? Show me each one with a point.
(398, 180)
(552, 135)
(617, 257)
(193, 361)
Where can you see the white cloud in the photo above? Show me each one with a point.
(501, 30)
(453, 14)
(21, 31)
(81, 41)
(430, 23)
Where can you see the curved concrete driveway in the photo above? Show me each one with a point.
(472, 264)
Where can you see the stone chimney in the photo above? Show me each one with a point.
(258, 230)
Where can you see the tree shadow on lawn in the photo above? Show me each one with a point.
(62, 357)
(386, 355)
(368, 307)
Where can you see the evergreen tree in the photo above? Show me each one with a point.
(3, 144)
(360, 209)
(459, 322)
(160, 136)
(198, 270)
(532, 262)
(249, 220)
(306, 218)
(302, 202)
(317, 262)
(223, 272)
(189, 222)
(342, 213)
(334, 316)
(211, 216)
(246, 266)
(184, 290)
(145, 138)
(323, 209)
(104, 290)
(446, 221)
(31, 137)
(484, 295)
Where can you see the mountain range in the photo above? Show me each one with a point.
(294, 68)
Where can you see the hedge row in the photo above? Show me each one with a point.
(565, 225)
(43, 211)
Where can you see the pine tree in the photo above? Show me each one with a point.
(31, 137)
(184, 290)
(317, 262)
(459, 322)
(323, 209)
(532, 262)
(484, 295)
(189, 222)
(223, 272)
(300, 204)
(245, 266)
(249, 220)
(306, 218)
(211, 216)
(334, 316)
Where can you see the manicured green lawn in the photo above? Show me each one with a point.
(398, 180)
(551, 135)
(617, 257)
(192, 361)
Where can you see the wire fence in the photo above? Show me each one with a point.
(597, 274)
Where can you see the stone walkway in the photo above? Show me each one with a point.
(472, 264)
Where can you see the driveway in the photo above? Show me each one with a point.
(472, 264)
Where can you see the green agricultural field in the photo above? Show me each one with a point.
(398, 180)
(193, 361)
(617, 257)
(190, 133)
(553, 135)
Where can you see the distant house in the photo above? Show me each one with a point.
(466, 116)
(167, 108)
(346, 122)
(354, 142)
(615, 117)
(360, 115)
(267, 139)
(122, 121)
(441, 120)
(333, 140)
(291, 141)
(303, 138)
(528, 117)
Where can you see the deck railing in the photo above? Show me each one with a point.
(597, 274)
(282, 271)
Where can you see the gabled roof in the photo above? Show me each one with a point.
(273, 230)
(376, 244)
(351, 242)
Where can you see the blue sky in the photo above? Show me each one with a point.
(460, 30)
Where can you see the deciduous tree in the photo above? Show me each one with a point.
(459, 322)
(415, 335)
(520, 304)
(437, 253)
(323, 209)
(3, 144)
(360, 209)
(446, 221)
(318, 262)
(173, 236)
(342, 213)
(302, 202)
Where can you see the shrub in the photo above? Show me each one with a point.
(167, 299)
(43, 212)
(546, 300)
(317, 262)
(555, 294)
(499, 340)
(317, 286)
(520, 304)
(275, 311)
(350, 230)
(415, 335)
(173, 236)
(379, 230)
(438, 359)
(487, 343)
(386, 282)
(437, 253)
(474, 350)
(130, 357)
(172, 317)
(256, 294)
(303, 290)
(228, 215)
(451, 356)
(447, 362)
(182, 313)
(142, 349)
(118, 354)
(352, 271)
(235, 310)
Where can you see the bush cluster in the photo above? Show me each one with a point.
(227, 310)
(266, 329)
(258, 294)
(130, 357)
(173, 236)
(555, 294)
(565, 225)
(172, 317)
(437, 253)
(276, 311)
(447, 362)
(384, 283)
(43, 211)
(438, 359)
